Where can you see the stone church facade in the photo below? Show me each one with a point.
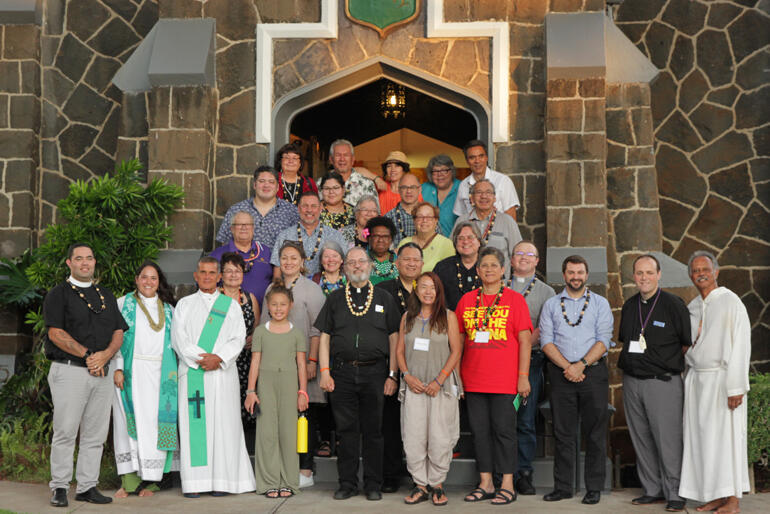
(648, 132)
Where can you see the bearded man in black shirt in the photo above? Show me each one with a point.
(359, 330)
(654, 329)
(85, 329)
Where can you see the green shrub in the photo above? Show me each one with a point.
(758, 405)
(24, 449)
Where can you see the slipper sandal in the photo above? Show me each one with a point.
(438, 492)
(191, 495)
(285, 490)
(412, 500)
(324, 449)
(505, 495)
(272, 493)
(473, 496)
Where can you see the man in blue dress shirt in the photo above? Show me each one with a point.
(575, 331)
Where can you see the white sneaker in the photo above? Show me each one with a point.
(305, 481)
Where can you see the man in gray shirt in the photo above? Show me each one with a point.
(535, 292)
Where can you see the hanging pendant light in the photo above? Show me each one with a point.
(392, 100)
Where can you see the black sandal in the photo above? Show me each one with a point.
(285, 490)
(272, 493)
(324, 449)
(473, 496)
(505, 495)
(421, 498)
(437, 493)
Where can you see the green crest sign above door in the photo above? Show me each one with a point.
(382, 15)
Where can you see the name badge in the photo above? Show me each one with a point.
(660, 324)
(481, 337)
(421, 344)
(379, 308)
(635, 347)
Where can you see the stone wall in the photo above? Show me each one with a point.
(710, 111)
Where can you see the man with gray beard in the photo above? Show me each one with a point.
(359, 330)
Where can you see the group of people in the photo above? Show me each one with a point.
(375, 327)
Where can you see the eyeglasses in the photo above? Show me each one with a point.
(331, 188)
(484, 193)
(370, 211)
(440, 170)
(354, 262)
(232, 272)
(424, 218)
(408, 188)
(380, 236)
(290, 157)
(238, 226)
(528, 254)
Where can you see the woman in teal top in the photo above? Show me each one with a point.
(441, 190)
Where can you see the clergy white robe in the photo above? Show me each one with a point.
(229, 468)
(141, 455)
(715, 461)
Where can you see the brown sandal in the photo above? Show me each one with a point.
(435, 496)
(412, 500)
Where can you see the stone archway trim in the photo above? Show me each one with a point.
(436, 28)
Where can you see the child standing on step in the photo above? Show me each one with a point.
(278, 361)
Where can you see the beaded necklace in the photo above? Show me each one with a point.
(355, 310)
(156, 327)
(317, 241)
(401, 298)
(481, 325)
(528, 290)
(291, 195)
(385, 271)
(487, 230)
(83, 296)
(582, 311)
(253, 255)
(241, 299)
(473, 280)
(327, 287)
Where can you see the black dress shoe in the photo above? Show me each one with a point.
(93, 496)
(343, 493)
(592, 497)
(390, 485)
(557, 495)
(524, 484)
(647, 500)
(59, 498)
(373, 495)
(675, 506)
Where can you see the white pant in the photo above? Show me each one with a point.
(80, 401)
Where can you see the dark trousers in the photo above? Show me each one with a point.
(393, 461)
(493, 423)
(526, 434)
(587, 401)
(357, 402)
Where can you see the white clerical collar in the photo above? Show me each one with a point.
(79, 283)
(147, 299)
(521, 280)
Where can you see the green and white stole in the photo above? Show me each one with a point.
(167, 404)
(196, 399)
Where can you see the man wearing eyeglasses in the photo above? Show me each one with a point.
(409, 189)
(497, 228)
(476, 154)
(535, 292)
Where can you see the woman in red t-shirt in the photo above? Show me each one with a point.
(495, 368)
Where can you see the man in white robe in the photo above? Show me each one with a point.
(715, 461)
(227, 467)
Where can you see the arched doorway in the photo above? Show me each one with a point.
(327, 98)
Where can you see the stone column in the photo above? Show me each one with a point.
(19, 135)
(181, 146)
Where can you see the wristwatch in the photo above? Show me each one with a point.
(88, 354)
(404, 374)
(585, 363)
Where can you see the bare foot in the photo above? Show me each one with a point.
(121, 493)
(730, 506)
(145, 492)
(712, 505)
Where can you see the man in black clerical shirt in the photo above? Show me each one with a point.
(85, 329)
(409, 265)
(359, 330)
(654, 329)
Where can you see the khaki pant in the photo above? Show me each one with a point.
(430, 428)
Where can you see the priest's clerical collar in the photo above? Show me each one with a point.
(79, 283)
(521, 280)
(147, 298)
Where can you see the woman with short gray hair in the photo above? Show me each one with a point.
(366, 208)
(441, 190)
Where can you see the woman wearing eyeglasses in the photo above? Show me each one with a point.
(441, 190)
(335, 213)
(435, 247)
(292, 183)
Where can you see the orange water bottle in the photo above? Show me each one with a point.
(302, 433)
